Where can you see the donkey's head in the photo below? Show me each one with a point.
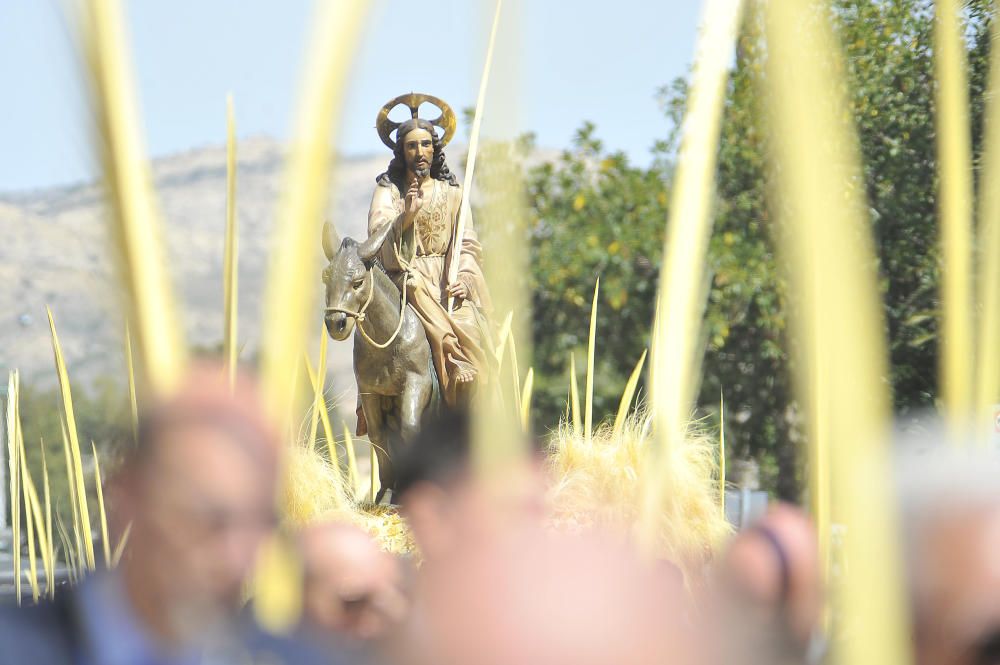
(347, 278)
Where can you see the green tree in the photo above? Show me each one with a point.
(102, 417)
(592, 214)
(590, 201)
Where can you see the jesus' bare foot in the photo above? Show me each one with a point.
(462, 372)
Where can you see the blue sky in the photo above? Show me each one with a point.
(576, 60)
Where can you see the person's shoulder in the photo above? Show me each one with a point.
(386, 191)
(297, 648)
(44, 615)
(43, 632)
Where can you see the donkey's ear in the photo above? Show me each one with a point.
(369, 249)
(331, 241)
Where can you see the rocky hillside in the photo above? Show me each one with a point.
(53, 251)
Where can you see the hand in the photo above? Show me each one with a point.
(414, 201)
(458, 290)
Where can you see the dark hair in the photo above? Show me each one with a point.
(440, 453)
(395, 174)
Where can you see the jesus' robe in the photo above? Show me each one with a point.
(425, 249)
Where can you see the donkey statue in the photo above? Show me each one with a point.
(396, 380)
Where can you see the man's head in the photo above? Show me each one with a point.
(417, 147)
(352, 588)
(431, 473)
(446, 504)
(770, 580)
(543, 596)
(199, 493)
(951, 524)
(417, 140)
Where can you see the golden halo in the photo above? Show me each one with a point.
(412, 100)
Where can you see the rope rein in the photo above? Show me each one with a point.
(360, 316)
(407, 267)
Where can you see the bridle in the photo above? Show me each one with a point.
(360, 316)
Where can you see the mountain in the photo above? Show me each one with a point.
(54, 252)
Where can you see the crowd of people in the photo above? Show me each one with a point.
(493, 583)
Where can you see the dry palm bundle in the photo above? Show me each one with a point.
(598, 481)
(315, 491)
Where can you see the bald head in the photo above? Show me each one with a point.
(205, 400)
(538, 596)
(352, 587)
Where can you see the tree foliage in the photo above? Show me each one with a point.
(102, 417)
(595, 214)
(592, 214)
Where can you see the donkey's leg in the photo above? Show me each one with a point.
(414, 400)
(377, 435)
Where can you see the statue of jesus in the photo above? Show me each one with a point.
(421, 198)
